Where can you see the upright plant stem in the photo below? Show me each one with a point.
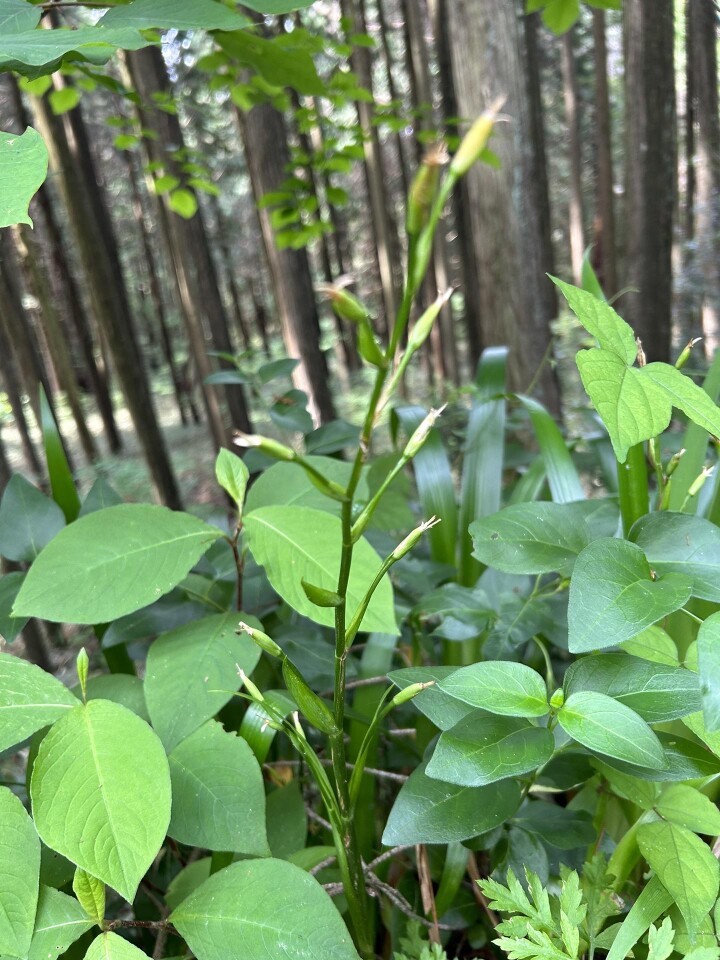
(633, 487)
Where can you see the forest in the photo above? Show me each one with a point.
(359, 501)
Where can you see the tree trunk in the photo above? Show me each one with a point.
(505, 221)
(72, 165)
(651, 170)
(11, 385)
(571, 97)
(604, 257)
(267, 156)
(194, 266)
(703, 63)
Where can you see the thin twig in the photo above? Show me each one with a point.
(399, 901)
(426, 891)
(356, 684)
(144, 924)
(474, 874)
(327, 862)
(316, 818)
(388, 855)
(373, 771)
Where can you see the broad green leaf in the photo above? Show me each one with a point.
(610, 728)
(28, 520)
(192, 673)
(644, 793)
(613, 596)
(686, 395)
(430, 811)
(685, 760)
(122, 688)
(17, 16)
(30, 699)
(10, 626)
(287, 821)
(560, 15)
(280, 61)
(686, 806)
(100, 790)
(483, 748)
(530, 538)
(708, 648)
(189, 879)
(19, 876)
(682, 543)
(656, 692)
(23, 168)
(183, 202)
(174, 15)
(274, 7)
(686, 868)
(251, 910)
(91, 895)
(36, 52)
(59, 922)
(562, 827)
(218, 795)
(632, 405)
(653, 644)
(109, 946)
(298, 543)
(499, 686)
(601, 321)
(112, 562)
(232, 475)
(437, 705)
(100, 495)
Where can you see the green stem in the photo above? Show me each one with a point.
(633, 487)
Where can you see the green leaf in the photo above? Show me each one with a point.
(287, 821)
(100, 792)
(19, 876)
(298, 543)
(130, 555)
(17, 16)
(656, 692)
(91, 895)
(189, 879)
(174, 15)
(611, 729)
(100, 495)
(59, 922)
(530, 538)
(23, 168)
(687, 396)
(192, 673)
(682, 543)
(64, 99)
(444, 710)
(36, 52)
(632, 405)
(483, 748)
(28, 520)
(109, 946)
(250, 909)
(281, 64)
(430, 811)
(686, 868)
(122, 688)
(218, 794)
(184, 203)
(654, 644)
(708, 648)
(560, 15)
(652, 901)
(499, 686)
(30, 699)
(276, 369)
(273, 7)
(562, 827)
(686, 806)
(601, 321)
(613, 596)
(232, 475)
(10, 626)
(660, 940)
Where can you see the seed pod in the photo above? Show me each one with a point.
(412, 538)
(686, 351)
(421, 434)
(265, 642)
(320, 596)
(421, 331)
(410, 692)
(423, 188)
(673, 462)
(249, 685)
(272, 448)
(475, 140)
(313, 708)
(369, 347)
(345, 304)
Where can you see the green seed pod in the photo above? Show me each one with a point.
(320, 596)
(345, 304)
(265, 642)
(421, 434)
(315, 710)
(410, 692)
(475, 140)
(423, 189)
(421, 331)
(412, 538)
(369, 347)
(250, 686)
(272, 448)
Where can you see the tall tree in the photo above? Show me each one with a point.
(571, 96)
(604, 254)
(267, 157)
(650, 182)
(188, 241)
(506, 233)
(74, 171)
(702, 62)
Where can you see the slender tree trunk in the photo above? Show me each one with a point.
(393, 91)
(188, 242)
(571, 97)
(651, 154)
(604, 257)
(267, 157)
(703, 64)
(506, 233)
(11, 385)
(72, 165)
(221, 241)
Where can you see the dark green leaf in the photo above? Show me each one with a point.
(708, 648)
(611, 729)
(28, 520)
(681, 543)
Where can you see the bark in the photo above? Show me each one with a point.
(703, 64)
(393, 91)
(506, 225)
(571, 97)
(604, 255)
(188, 242)
(74, 171)
(267, 156)
(651, 154)
(11, 385)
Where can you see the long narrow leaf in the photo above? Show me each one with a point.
(562, 475)
(434, 482)
(653, 900)
(484, 456)
(61, 480)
